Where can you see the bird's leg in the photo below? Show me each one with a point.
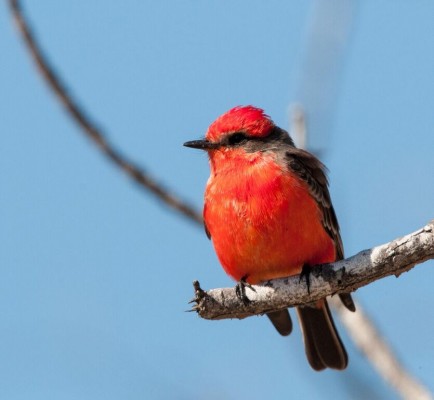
(240, 290)
(305, 273)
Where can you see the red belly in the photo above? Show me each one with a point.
(264, 224)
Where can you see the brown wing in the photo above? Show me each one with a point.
(313, 172)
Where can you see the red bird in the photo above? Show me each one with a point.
(269, 215)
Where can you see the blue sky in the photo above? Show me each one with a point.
(96, 275)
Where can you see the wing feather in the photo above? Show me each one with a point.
(312, 171)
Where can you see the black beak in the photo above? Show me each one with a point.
(202, 144)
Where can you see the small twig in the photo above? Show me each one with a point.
(89, 129)
(343, 276)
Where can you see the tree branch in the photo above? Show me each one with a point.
(145, 181)
(90, 129)
(347, 275)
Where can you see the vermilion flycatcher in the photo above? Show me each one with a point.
(269, 214)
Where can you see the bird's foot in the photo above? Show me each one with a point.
(305, 274)
(240, 290)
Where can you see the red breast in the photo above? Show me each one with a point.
(263, 222)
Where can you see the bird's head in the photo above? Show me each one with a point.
(245, 127)
(242, 137)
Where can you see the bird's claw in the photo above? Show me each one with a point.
(240, 290)
(305, 273)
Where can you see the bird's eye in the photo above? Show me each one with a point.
(236, 138)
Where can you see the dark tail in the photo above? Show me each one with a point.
(347, 301)
(281, 321)
(322, 343)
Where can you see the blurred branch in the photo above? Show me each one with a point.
(375, 348)
(343, 276)
(328, 37)
(359, 326)
(58, 87)
(150, 184)
(298, 126)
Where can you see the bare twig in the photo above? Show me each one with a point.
(89, 128)
(347, 275)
